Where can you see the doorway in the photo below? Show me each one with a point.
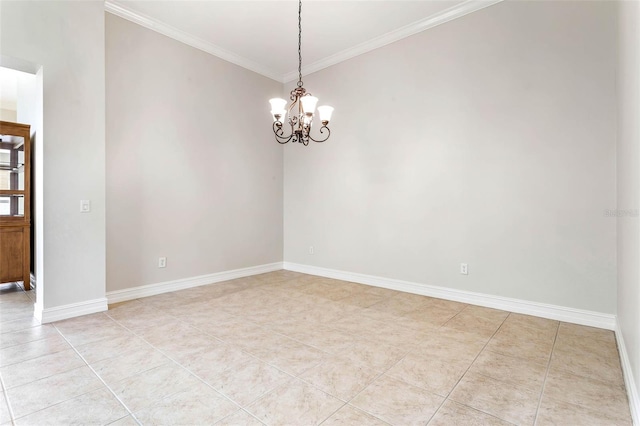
(21, 101)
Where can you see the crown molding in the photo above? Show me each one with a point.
(446, 15)
(188, 39)
(431, 21)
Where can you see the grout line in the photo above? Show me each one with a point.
(6, 401)
(97, 375)
(447, 397)
(546, 374)
(12, 417)
(192, 374)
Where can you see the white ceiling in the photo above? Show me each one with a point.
(263, 35)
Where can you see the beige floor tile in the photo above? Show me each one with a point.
(378, 291)
(164, 300)
(468, 338)
(516, 371)
(208, 321)
(144, 317)
(38, 368)
(375, 355)
(442, 303)
(78, 335)
(296, 400)
(340, 377)
(611, 400)
(572, 344)
(85, 321)
(104, 410)
(480, 326)
(211, 362)
(588, 365)
(362, 300)
(30, 350)
(427, 373)
(176, 330)
(442, 348)
(248, 382)
(351, 416)
(147, 388)
(28, 335)
(522, 342)
(183, 349)
(397, 402)
(13, 324)
(525, 330)
(109, 348)
(533, 322)
(376, 317)
(434, 316)
(5, 416)
(199, 404)
(84, 324)
(125, 421)
(396, 334)
(514, 404)
(263, 343)
(588, 333)
(452, 413)
(43, 393)
(294, 358)
(357, 324)
(293, 326)
(18, 311)
(496, 315)
(319, 336)
(129, 364)
(237, 331)
(552, 412)
(398, 305)
(240, 418)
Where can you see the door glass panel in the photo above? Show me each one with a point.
(12, 163)
(12, 205)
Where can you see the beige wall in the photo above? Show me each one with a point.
(628, 172)
(65, 40)
(489, 140)
(192, 172)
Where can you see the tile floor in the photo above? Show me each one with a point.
(290, 349)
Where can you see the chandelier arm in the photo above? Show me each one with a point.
(321, 131)
(279, 134)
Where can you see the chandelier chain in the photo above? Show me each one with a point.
(300, 43)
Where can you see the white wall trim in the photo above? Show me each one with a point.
(181, 284)
(188, 39)
(436, 19)
(629, 381)
(72, 310)
(560, 313)
(457, 11)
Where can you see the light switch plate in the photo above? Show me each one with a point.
(85, 206)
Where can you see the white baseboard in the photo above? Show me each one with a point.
(168, 286)
(46, 315)
(629, 381)
(560, 313)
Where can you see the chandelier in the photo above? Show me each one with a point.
(301, 111)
